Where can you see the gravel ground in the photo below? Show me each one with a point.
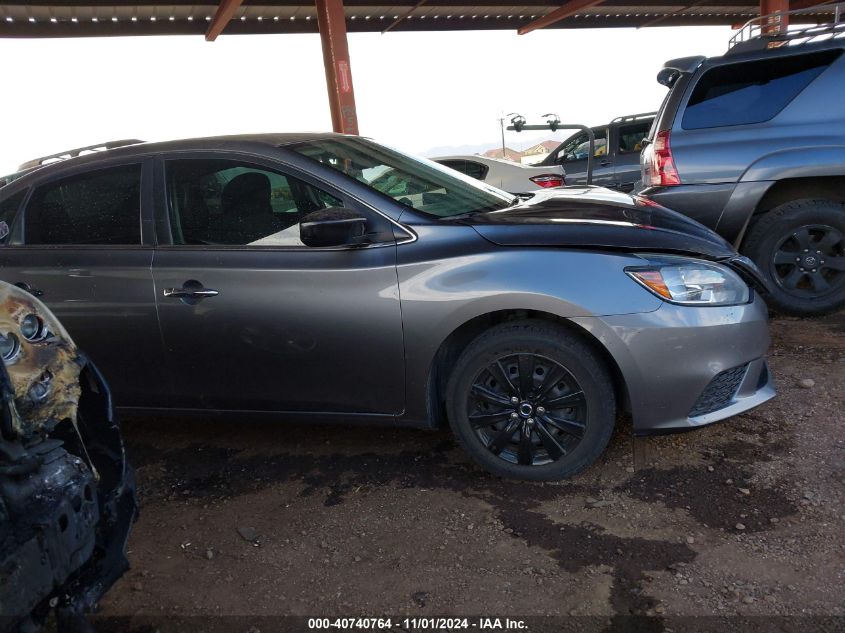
(743, 518)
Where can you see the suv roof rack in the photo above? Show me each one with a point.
(764, 32)
(73, 153)
(633, 117)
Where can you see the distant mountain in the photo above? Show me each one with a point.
(514, 141)
(517, 142)
(450, 150)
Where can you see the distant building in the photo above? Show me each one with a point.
(535, 154)
(510, 154)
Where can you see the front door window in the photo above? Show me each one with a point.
(222, 202)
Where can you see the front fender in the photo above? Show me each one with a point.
(440, 294)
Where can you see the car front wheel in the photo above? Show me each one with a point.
(531, 400)
(800, 247)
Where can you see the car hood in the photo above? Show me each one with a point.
(595, 217)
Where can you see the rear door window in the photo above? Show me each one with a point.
(631, 137)
(751, 92)
(99, 207)
(468, 167)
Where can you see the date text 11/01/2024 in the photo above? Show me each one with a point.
(418, 624)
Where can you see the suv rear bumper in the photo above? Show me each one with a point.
(703, 203)
(724, 207)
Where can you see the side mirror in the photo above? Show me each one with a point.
(334, 226)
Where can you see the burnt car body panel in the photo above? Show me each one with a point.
(67, 495)
(356, 333)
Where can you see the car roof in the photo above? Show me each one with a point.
(238, 142)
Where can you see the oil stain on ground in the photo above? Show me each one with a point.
(214, 473)
(206, 473)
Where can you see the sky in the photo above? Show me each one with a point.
(426, 93)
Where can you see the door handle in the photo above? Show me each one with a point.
(35, 292)
(189, 293)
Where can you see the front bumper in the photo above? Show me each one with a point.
(685, 367)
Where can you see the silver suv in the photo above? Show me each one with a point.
(752, 144)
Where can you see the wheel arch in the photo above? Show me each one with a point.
(791, 189)
(802, 162)
(460, 337)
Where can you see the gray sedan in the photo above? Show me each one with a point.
(285, 275)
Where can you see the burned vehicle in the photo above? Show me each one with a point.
(67, 495)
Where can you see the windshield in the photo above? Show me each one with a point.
(414, 182)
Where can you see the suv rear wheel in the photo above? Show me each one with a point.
(800, 247)
(531, 400)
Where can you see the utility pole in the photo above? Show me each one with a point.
(502, 126)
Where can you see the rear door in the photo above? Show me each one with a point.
(628, 143)
(270, 324)
(80, 243)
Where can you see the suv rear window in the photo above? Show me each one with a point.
(751, 92)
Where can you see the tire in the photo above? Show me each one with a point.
(560, 365)
(800, 247)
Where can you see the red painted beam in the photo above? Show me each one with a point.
(225, 12)
(777, 24)
(794, 5)
(566, 10)
(332, 22)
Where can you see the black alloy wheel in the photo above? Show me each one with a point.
(527, 409)
(800, 247)
(531, 400)
(810, 261)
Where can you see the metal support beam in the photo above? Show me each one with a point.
(332, 23)
(566, 10)
(404, 15)
(663, 18)
(795, 5)
(225, 12)
(778, 23)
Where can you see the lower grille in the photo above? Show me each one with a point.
(719, 392)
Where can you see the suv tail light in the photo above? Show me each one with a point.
(661, 169)
(548, 180)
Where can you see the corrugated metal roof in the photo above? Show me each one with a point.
(95, 18)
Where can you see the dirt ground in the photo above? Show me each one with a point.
(743, 518)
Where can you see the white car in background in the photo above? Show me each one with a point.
(507, 175)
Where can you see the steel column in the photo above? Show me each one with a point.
(777, 24)
(332, 23)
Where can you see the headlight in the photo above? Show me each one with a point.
(32, 328)
(690, 281)
(9, 347)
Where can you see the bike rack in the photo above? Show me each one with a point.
(553, 123)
